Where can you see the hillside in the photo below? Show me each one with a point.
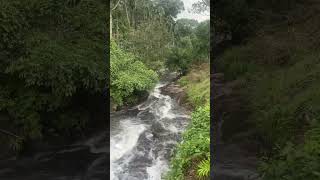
(270, 96)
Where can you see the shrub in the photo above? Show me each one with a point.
(51, 54)
(296, 162)
(128, 75)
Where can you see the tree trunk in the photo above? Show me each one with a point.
(110, 25)
(129, 24)
(111, 9)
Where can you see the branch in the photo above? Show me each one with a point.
(206, 3)
(116, 5)
(9, 133)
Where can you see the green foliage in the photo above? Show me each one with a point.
(282, 88)
(191, 46)
(128, 75)
(296, 162)
(240, 18)
(204, 168)
(184, 27)
(236, 15)
(181, 56)
(236, 62)
(196, 139)
(282, 100)
(202, 43)
(196, 143)
(149, 41)
(171, 7)
(197, 83)
(51, 53)
(145, 28)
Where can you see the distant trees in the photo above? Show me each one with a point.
(142, 34)
(191, 44)
(201, 6)
(240, 18)
(145, 28)
(148, 30)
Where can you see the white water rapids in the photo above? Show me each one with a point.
(142, 140)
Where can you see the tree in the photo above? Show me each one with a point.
(128, 75)
(184, 27)
(192, 44)
(52, 65)
(201, 6)
(145, 28)
(171, 7)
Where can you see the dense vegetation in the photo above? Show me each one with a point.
(191, 45)
(147, 30)
(146, 41)
(192, 158)
(128, 75)
(278, 66)
(53, 69)
(142, 34)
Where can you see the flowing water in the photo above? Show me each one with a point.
(143, 139)
(84, 160)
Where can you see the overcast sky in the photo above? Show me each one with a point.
(190, 15)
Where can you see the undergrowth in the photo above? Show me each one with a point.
(197, 85)
(282, 82)
(196, 139)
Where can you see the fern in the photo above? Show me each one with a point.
(204, 168)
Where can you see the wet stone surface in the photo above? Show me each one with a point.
(142, 142)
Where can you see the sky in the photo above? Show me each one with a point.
(191, 15)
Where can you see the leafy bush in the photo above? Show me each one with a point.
(51, 54)
(181, 56)
(128, 75)
(296, 162)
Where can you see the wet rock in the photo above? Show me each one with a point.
(176, 92)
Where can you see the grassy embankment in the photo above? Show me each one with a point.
(280, 71)
(192, 156)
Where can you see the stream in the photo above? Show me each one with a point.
(83, 160)
(142, 141)
(143, 138)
